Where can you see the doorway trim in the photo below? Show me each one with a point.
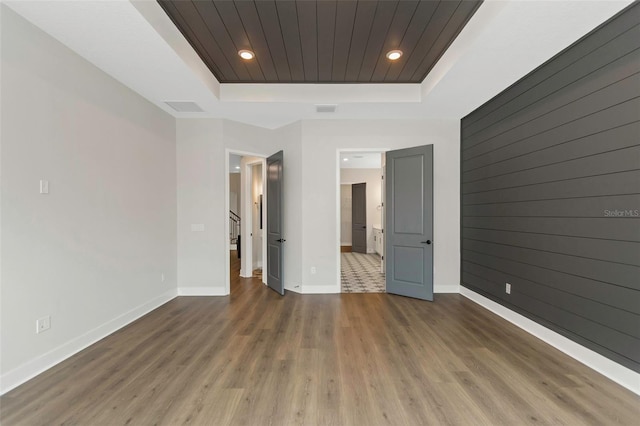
(247, 201)
(338, 285)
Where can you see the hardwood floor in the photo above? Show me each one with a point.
(256, 358)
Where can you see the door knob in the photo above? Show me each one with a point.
(426, 242)
(364, 227)
(281, 240)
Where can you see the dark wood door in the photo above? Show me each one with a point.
(409, 222)
(359, 218)
(275, 240)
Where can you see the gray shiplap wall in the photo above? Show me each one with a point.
(551, 192)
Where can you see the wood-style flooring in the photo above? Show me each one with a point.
(256, 358)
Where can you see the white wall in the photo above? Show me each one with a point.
(256, 191)
(321, 139)
(91, 252)
(345, 215)
(234, 192)
(373, 179)
(201, 194)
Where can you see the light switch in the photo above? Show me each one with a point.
(197, 227)
(44, 186)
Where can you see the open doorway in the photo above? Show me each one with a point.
(361, 222)
(246, 224)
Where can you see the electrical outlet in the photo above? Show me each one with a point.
(313, 270)
(162, 277)
(507, 288)
(43, 324)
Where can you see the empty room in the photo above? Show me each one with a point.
(319, 212)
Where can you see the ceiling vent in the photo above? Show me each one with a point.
(185, 106)
(326, 108)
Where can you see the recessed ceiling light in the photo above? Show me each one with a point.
(345, 159)
(246, 54)
(393, 55)
(237, 167)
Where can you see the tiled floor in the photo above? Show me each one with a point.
(360, 273)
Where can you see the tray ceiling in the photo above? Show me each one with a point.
(322, 41)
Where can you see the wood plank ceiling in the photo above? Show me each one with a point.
(323, 41)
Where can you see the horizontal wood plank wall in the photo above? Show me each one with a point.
(550, 192)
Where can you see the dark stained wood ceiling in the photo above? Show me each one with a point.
(323, 41)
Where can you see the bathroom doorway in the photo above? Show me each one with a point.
(361, 222)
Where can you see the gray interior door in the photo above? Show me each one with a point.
(359, 218)
(409, 222)
(274, 223)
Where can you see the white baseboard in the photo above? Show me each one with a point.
(622, 375)
(333, 289)
(202, 291)
(288, 286)
(32, 368)
(295, 288)
(446, 289)
(320, 289)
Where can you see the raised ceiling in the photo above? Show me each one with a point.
(321, 41)
(136, 43)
